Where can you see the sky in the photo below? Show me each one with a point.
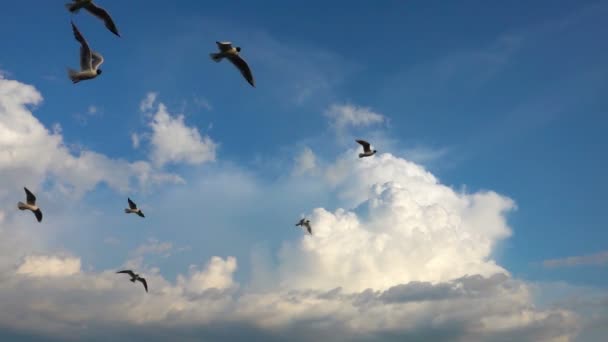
(480, 218)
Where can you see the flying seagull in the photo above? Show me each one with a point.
(135, 277)
(30, 204)
(232, 53)
(95, 10)
(89, 60)
(304, 223)
(367, 151)
(133, 209)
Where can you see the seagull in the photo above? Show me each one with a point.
(95, 10)
(305, 223)
(367, 151)
(232, 53)
(30, 204)
(89, 60)
(133, 209)
(135, 277)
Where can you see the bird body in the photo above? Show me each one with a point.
(226, 50)
(304, 223)
(90, 61)
(133, 209)
(367, 151)
(135, 277)
(30, 204)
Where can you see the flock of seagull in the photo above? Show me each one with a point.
(90, 61)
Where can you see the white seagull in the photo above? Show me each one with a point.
(304, 223)
(95, 10)
(30, 204)
(367, 151)
(135, 277)
(89, 60)
(232, 53)
(133, 209)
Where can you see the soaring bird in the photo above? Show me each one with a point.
(30, 204)
(89, 60)
(95, 10)
(135, 277)
(232, 53)
(304, 223)
(133, 209)
(367, 151)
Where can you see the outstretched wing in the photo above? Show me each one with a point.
(29, 197)
(132, 204)
(129, 272)
(243, 68)
(38, 214)
(103, 15)
(85, 51)
(365, 144)
(308, 227)
(224, 46)
(97, 60)
(143, 281)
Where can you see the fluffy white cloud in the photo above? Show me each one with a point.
(29, 152)
(217, 275)
(49, 266)
(344, 115)
(172, 141)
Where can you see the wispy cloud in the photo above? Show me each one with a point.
(345, 115)
(597, 259)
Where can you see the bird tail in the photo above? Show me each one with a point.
(361, 155)
(127, 211)
(21, 206)
(216, 57)
(72, 7)
(73, 74)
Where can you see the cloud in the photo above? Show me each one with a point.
(49, 266)
(172, 141)
(345, 115)
(305, 162)
(597, 259)
(153, 246)
(29, 151)
(135, 140)
(148, 102)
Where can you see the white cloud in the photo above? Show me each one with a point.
(148, 102)
(345, 115)
(28, 151)
(305, 162)
(49, 266)
(153, 246)
(135, 140)
(217, 274)
(172, 141)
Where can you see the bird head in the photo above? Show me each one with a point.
(238, 49)
(375, 151)
(99, 71)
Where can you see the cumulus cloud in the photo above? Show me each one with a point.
(600, 258)
(345, 115)
(49, 266)
(29, 151)
(172, 141)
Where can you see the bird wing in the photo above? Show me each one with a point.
(365, 144)
(85, 51)
(29, 196)
(97, 60)
(38, 214)
(103, 15)
(140, 213)
(143, 281)
(309, 228)
(243, 68)
(224, 46)
(129, 272)
(132, 204)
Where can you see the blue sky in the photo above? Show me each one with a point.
(502, 97)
